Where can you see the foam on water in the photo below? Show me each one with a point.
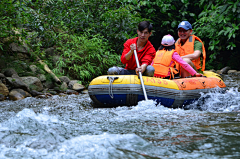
(218, 101)
(68, 127)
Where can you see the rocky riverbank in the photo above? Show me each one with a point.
(14, 87)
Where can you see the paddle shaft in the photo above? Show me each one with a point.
(140, 75)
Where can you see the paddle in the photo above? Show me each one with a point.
(140, 75)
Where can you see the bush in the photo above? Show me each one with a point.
(84, 57)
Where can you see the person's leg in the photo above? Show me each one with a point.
(114, 70)
(149, 71)
(120, 71)
(185, 73)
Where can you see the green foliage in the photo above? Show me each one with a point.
(166, 15)
(219, 24)
(84, 57)
(89, 33)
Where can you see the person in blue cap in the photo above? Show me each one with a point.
(190, 48)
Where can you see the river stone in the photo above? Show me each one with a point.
(15, 95)
(35, 93)
(78, 87)
(232, 72)
(85, 91)
(69, 91)
(64, 79)
(71, 83)
(41, 77)
(33, 83)
(3, 89)
(64, 86)
(9, 72)
(2, 78)
(49, 84)
(224, 70)
(2, 75)
(2, 97)
(24, 93)
(17, 83)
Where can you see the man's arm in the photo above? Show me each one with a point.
(197, 51)
(129, 54)
(196, 54)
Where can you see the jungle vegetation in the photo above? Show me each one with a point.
(89, 34)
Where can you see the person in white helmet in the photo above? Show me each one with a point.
(166, 58)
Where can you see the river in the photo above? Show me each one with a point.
(69, 127)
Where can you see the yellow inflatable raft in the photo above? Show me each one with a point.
(126, 90)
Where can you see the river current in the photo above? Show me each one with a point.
(69, 127)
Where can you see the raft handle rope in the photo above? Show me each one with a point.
(111, 80)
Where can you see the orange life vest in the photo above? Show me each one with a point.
(161, 64)
(188, 48)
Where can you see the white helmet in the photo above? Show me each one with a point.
(168, 40)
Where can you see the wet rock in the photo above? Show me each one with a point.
(15, 95)
(44, 96)
(52, 92)
(2, 97)
(72, 92)
(35, 93)
(62, 94)
(71, 83)
(9, 72)
(232, 72)
(57, 89)
(78, 87)
(17, 83)
(49, 84)
(3, 89)
(64, 79)
(224, 70)
(85, 91)
(64, 86)
(2, 78)
(33, 83)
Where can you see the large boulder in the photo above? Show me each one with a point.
(17, 82)
(33, 83)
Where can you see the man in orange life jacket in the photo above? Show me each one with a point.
(190, 48)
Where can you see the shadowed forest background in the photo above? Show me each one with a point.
(88, 35)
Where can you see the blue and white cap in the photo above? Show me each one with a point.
(185, 25)
(168, 40)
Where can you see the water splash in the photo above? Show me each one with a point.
(218, 101)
